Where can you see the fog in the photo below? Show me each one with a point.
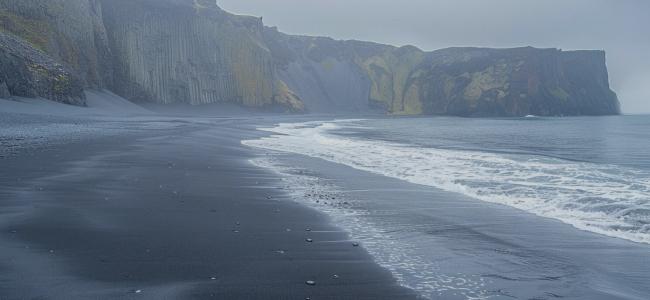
(620, 27)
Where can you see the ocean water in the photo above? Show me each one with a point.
(588, 177)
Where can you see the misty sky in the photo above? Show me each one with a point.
(621, 27)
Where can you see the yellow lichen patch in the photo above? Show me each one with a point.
(35, 32)
(61, 83)
(41, 70)
(389, 75)
(559, 93)
(288, 98)
(328, 64)
(412, 102)
(493, 77)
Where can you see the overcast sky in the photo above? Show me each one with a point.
(620, 27)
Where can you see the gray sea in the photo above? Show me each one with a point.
(529, 208)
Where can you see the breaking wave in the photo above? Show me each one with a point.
(605, 199)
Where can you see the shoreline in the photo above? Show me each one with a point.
(176, 213)
(448, 245)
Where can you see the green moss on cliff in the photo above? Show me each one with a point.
(286, 97)
(36, 32)
(559, 93)
(61, 84)
(390, 74)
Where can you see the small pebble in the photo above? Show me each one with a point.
(213, 278)
(137, 291)
(309, 240)
(308, 229)
(335, 276)
(355, 244)
(310, 282)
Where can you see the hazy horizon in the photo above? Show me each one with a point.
(619, 28)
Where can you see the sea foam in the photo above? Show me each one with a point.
(605, 199)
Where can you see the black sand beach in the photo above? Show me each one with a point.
(170, 213)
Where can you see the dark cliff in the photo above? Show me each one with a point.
(191, 51)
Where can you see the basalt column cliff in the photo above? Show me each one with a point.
(193, 52)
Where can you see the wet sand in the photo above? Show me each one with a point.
(171, 213)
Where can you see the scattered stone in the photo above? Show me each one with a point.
(355, 244)
(308, 229)
(309, 240)
(137, 291)
(310, 282)
(335, 276)
(213, 278)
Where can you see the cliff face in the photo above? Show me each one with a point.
(191, 51)
(352, 75)
(514, 82)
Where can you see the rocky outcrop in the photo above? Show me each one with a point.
(69, 31)
(191, 51)
(28, 72)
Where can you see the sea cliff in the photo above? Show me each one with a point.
(193, 52)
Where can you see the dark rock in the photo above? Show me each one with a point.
(29, 72)
(4, 91)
